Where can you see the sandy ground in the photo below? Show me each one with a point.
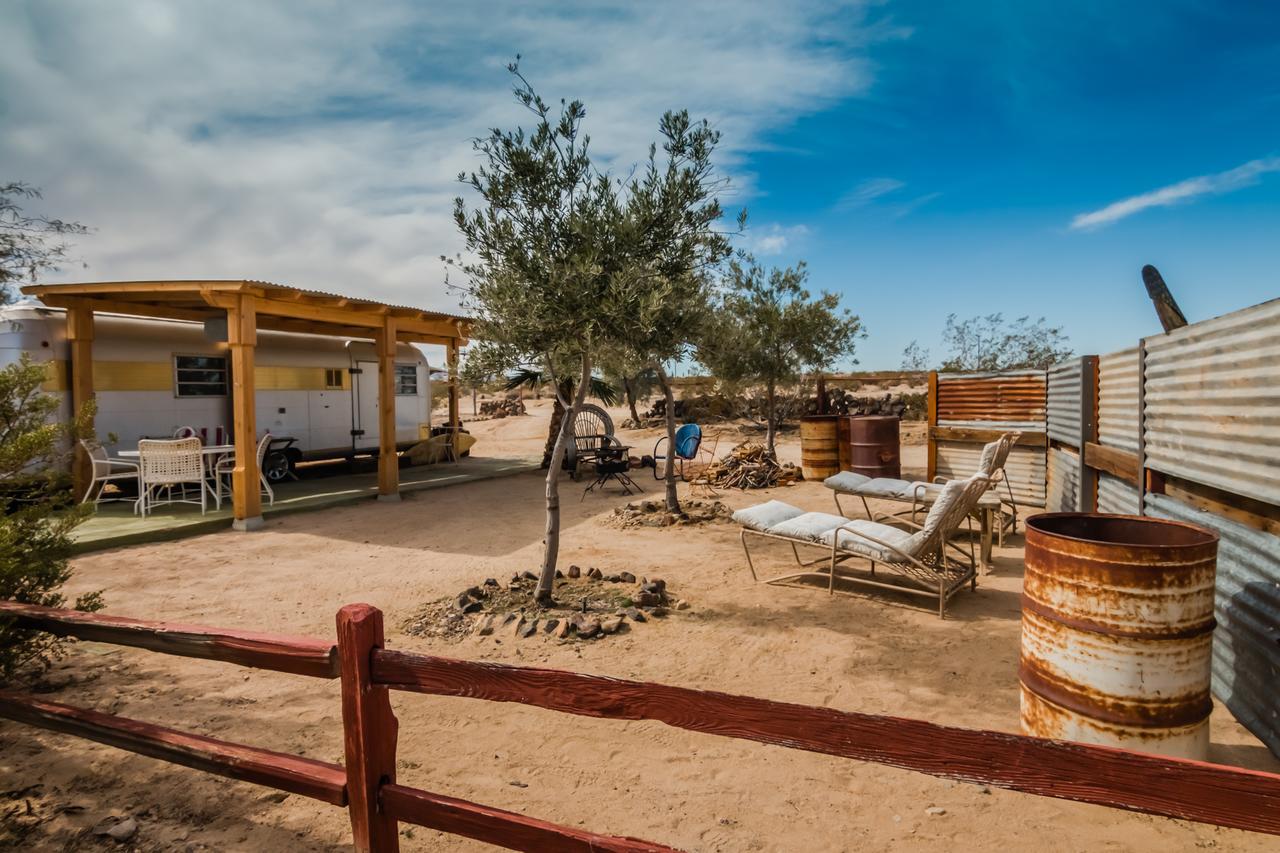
(873, 653)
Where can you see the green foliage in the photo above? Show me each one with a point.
(769, 330)
(990, 343)
(27, 243)
(36, 514)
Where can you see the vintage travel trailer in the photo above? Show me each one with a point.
(154, 376)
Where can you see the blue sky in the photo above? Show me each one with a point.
(924, 158)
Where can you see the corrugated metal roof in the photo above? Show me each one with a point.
(1118, 400)
(1024, 468)
(1213, 402)
(1246, 643)
(1116, 496)
(1062, 489)
(1063, 401)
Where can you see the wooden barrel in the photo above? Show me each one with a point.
(1117, 629)
(819, 447)
(870, 445)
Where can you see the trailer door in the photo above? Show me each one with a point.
(365, 400)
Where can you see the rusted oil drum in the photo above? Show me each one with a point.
(819, 446)
(870, 445)
(1117, 628)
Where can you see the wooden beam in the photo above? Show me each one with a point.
(80, 343)
(1108, 776)
(455, 416)
(277, 652)
(1113, 460)
(307, 777)
(369, 730)
(388, 461)
(1256, 514)
(1087, 494)
(242, 337)
(142, 287)
(971, 434)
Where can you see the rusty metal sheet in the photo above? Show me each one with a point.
(1063, 402)
(1117, 631)
(1118, 400)
(1062, 488)
(1213, 402)
(1116, 496)
(1014, 397)
(1025, 468)
(1246, 644)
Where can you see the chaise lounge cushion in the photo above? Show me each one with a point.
(850, 541)
(764, 516)
(846, 481)
(810, 526)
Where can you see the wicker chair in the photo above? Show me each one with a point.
(227, 464)
(166, 466)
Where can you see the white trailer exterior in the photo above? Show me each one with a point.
(152, 376)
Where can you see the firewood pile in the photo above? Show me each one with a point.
(748, 466)
(503, 408)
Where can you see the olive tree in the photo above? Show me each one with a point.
(768, 330)
(548, 281)
(991, 343)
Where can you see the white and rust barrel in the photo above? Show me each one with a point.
(1117, 629)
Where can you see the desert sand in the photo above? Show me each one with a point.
(868, 652)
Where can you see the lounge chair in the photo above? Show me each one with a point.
(919, 554)
(920, 494)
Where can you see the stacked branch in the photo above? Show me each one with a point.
(748, 466)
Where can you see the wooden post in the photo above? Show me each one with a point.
(369, 730)
(242, 338)
(388, 462)
(80, 342)
(455, 415)
(931, 467)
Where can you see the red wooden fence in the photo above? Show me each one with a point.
(366, 786)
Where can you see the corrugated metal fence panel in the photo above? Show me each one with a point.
(1246, 643)
(1024, 468)
(1017, 397)
(1063, 402)
(1063, 486)
(1117, 496)
(1213, 402)
(1118, 400)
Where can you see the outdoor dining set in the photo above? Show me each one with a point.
(181, 469)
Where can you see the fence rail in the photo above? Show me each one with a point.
(367, 787)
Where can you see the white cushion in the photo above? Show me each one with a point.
(766, 515)
(809, 526)
(846, 481)
(886, 487)
(850, 541)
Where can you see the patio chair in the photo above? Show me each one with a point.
(919, 555)
(106, 470)
(169, 465)
(227, 464)
(688, 445)
(991, 463)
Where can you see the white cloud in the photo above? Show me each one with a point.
(774, 239)
(867, 192)
(318, 145)
(1222, 182)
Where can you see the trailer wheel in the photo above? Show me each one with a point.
(276, 465)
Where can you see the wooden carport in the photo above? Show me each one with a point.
(248, 306)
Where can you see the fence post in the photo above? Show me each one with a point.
(931, 463)
(368, 730)
(1087, 500)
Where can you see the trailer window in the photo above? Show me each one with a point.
(200, 375)
(332, 378)
(406, 380)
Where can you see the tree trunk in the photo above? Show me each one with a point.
(557, 420)
(771, 418)
(551, 544)
(631, 400)
(673, 501)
